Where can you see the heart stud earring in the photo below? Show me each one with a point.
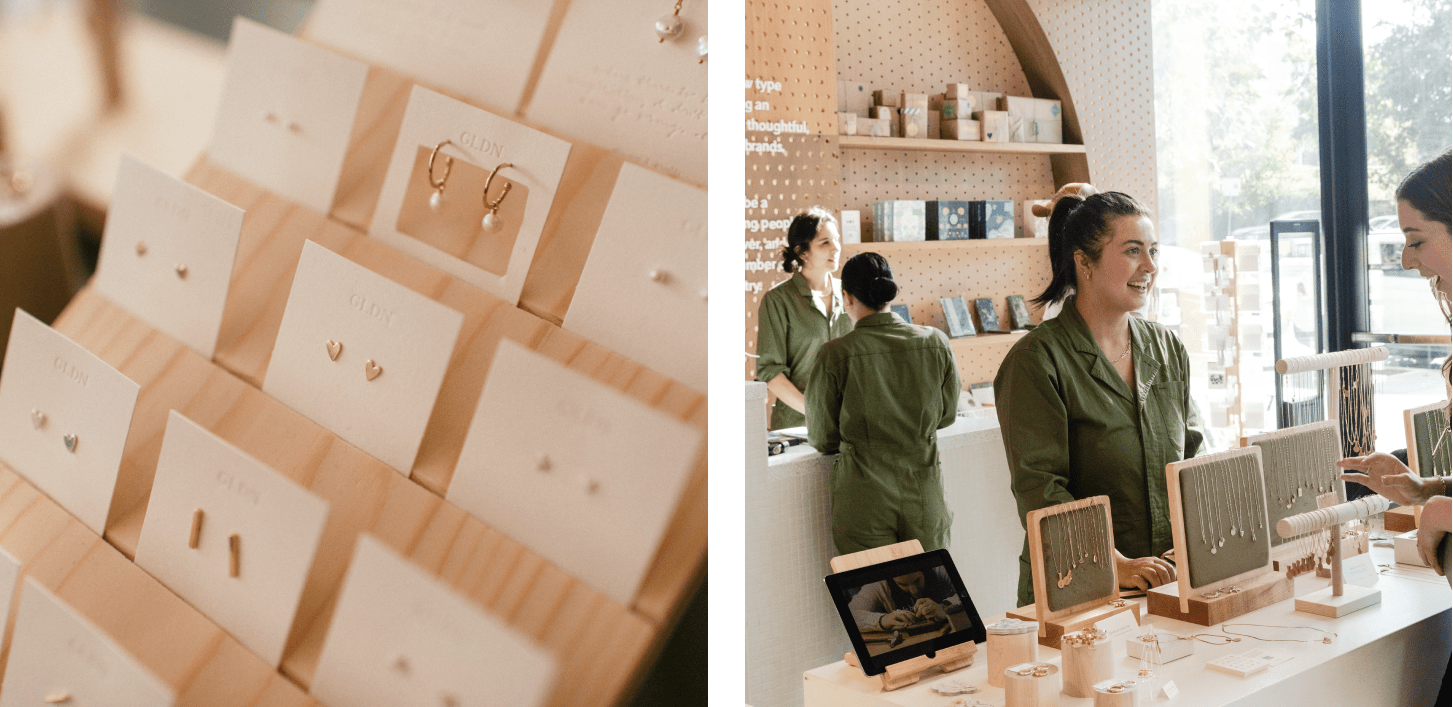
(71, 441)
(334, 348)
(371, 370)
(669, 26)
(492, 222)
(181, 271)
(37, 419)
(436, 200)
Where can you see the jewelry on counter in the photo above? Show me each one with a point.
(371, 370)
(436, 200)
(669, 26)
(1355, 412)
(1202, 637)
(181, 271)
(195, 538)
(234, 553)
(334, 348)
(701, 49)
(140, 248)
(37, 418)
(1325, 639)
(659, 276)
(70, 441)
(543, 464)
(492, 222)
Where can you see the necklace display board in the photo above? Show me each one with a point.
(1222, 540)
(1430, 452)
(1299, 464)
(1072, 557)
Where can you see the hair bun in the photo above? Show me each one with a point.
(883, 289)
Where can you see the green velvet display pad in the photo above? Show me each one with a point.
(1207, 491)
(1428, 426)
(1088, 529)
(1299, 464)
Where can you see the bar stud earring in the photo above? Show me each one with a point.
(234, 552)
(436, 200)
(491, 223)
(195, 538)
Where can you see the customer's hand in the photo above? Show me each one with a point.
(1389, 478)
(1143, 572)
(1435, 524)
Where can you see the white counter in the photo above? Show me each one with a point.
(1393, 653)
(792, 626)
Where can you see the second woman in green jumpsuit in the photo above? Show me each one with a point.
(877, 398)
(1096, 401)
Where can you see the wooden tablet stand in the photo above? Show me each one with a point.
(907, 672)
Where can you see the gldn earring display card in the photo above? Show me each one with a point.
(286, 114)
(479, 141)
(611, 81)
(400, 637)
(209, 491)
(361, 355)
(580, 473)
(651, 250)
(167, 254)
(56, 653)
(64, 418)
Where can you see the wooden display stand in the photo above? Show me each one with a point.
(909, 671)
(1261, 592)
(1400, 519)
(1051, 631)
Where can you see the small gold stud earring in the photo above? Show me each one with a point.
(181, 271)
(492, 223)
(234, 552)
(140, 248)
(371, 370)
(196, 537)
(58, 698)
(544, 463)
(37, 419)
(334, 348)
(401, 665)
(660, 276)
(436, 200)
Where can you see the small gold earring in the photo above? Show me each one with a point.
(181, 271)
(37, 419)
(371, 370)
(334, 348)
(196, 537)
(58, 698)
(140, 248)
(492, 222)
(436, 200)
(669, 26)
(234, 555)
(71, 442)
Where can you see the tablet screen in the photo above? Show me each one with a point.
(904, 608)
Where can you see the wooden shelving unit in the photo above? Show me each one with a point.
(852, 249)
(982, 340)
(859, 142)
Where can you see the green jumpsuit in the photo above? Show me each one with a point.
(790, 329)
(877, 398)
(1073, 429)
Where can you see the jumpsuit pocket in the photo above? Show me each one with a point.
(1169, 396)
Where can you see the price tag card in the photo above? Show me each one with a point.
(580, 473)
(1121, 626)
(286, 114)
(232, 537)
(635, 94)
(400, 637)
(1359, 570)
(167, 254)
(57, 656)
(481, 51)
(361, 355)
(64, 417)
(440, 216)
(651, 250)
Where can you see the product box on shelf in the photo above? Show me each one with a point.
(875, 127)
(994, 125)
(935, 118)
(1020, 129)
(990, 100)
(959, 129)
(948, 220)
(889, 114)
(847, 123)
(957, 108)
(898, 221)
(914, 115)
(957, 90)
(998, 218)
(1048, 120)
(887, 97)
(856, 97)
(1020, 107)
(850, 226)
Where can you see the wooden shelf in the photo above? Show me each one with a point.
(859, 142)
(982, 340)
(977, 244)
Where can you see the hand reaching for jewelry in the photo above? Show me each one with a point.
(929, 609)
(1431, 529)
(894, 620)
(1387, 477)
(1143, 572)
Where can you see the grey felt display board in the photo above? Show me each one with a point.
(1088, 530)
(1299, 464)
(1428, 427)
(1207, 493)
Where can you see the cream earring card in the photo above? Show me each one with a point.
(167, 254)
(580, 473)
(438, 215)
(286, 114)
(361, 355)
(643, 290)
(231, 536)
(64, 417)
(57, 656)
(481, 51)
(611, 82)
(400, 637)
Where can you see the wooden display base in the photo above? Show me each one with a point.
(1263, 591)
(1052, 631)
(1400, 519)
(909, 671)
(1322, 603)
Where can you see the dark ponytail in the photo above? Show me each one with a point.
(869, 278)
(1427, 188)
(1081, 224)
(800, 234)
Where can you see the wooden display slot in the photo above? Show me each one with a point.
(1052, 631)
(1258, 593)
(1400, 519)
(861, 142)
(851, 249)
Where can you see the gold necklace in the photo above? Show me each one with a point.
(1324, 639)
(1128, 346)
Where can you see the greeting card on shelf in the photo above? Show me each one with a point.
(650, 249)
(361, 355)
(57, 656)
(578, 472)
(486, 239)
(64, 418)
(399, 636)
(231, 536)
(167, 254)
(483, 53)
(286, 114)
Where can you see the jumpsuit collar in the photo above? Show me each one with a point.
(880, 319)
(1146, 366)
